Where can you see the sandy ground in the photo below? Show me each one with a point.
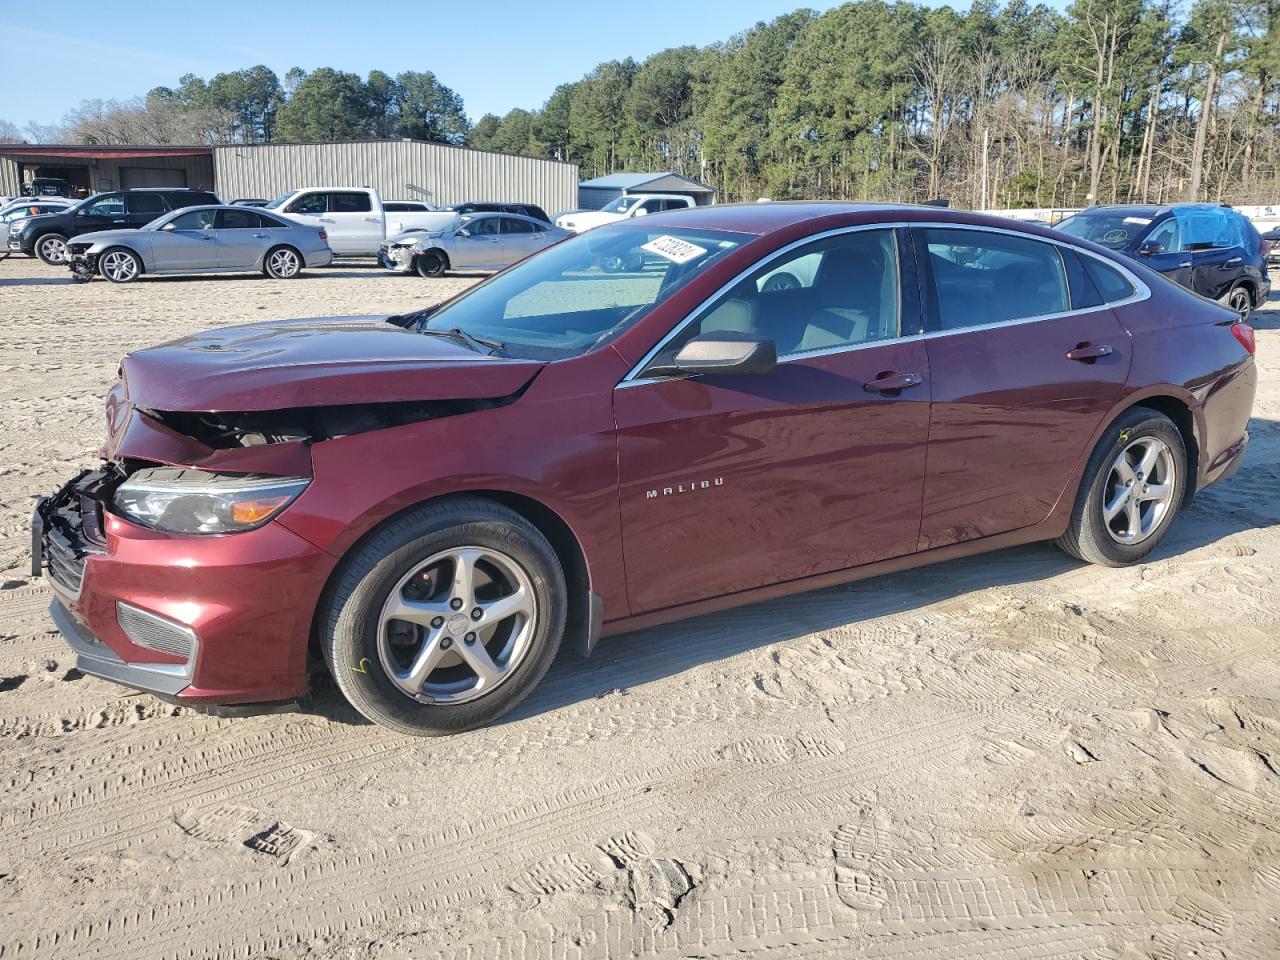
(1012, 757)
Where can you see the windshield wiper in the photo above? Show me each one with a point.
(483, 345)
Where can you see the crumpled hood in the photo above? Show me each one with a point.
(319, 362)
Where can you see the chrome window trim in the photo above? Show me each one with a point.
(1141, 292)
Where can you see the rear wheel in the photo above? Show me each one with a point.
(1240, 299)
(120, 265)
(1133, 486)
(282, 263)
(52, 249)
(431, 264)
(446, 619)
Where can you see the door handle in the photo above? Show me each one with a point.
(1089, 352)
(371, 220)
(120, 221)
(1185, 263)
(891, 382)
(1227, 265)
(260, 236)
(205, 237)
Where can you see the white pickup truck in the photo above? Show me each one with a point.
(634, 205)
(355, 218)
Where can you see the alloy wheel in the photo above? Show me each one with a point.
(53, 249)
(119, 266)
(1139, 491)
(1241, 302)
(284, 263)
(457, 625)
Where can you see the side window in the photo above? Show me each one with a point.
(653, 206)
(482, 226)
(981, 278)
(195, 220)
(1202, 228)
(838, 292)
(350, 203)
(676, 205)
(110, 206)
(1166, 236)
(516, 225)
(1237, 230)
(237, 220)
(145, 203)
(394, 207)
(1111, 283)
(273, 223)
(308, 203)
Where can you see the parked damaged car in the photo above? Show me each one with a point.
(784, 397)
(480, 241)
(215, 239)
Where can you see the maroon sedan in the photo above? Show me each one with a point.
(760, 400)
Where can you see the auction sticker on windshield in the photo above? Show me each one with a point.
(674, 249)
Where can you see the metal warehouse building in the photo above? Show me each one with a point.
(398, 169)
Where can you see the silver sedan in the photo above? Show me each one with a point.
(221, 239)
(480, 241)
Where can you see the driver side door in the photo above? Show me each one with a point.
(187, 242)
(478, 244)
(731, 482)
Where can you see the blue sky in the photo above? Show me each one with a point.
(497, 54)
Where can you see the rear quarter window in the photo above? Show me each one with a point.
(1111, 283)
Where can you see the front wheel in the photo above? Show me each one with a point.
(446, 619)
(282, 263)
(120, 265)
(431, 264)
(1133, 486)
(52, 249)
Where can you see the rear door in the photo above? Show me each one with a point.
(520, 238)
(242, 239)
(1219, 257)
(142, 208)
(735, 482)
(354, 223)
(1022, 375)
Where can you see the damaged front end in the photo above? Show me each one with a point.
(82, 263)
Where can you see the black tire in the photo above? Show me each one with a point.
(118, 254)
(46, 243)
(431, 264)
(1240, 299)
(351, 615)
(282, 263)
(1088, 536)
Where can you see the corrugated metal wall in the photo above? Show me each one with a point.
(397, 169)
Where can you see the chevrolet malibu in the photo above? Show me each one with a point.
(783, 397)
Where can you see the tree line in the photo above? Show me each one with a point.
(1008, 105)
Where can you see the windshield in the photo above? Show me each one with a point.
(280, 200)
(583, 291)
(1115, 230)
(621, 205)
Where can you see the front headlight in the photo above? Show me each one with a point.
(15, 226)
(195, 501)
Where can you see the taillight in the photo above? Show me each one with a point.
(324, 235)
(1244, 333)
(1266, 247)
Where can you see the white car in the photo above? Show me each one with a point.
(16, 211)
(635, 205)
(355, 218)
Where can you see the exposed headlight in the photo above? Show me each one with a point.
(195, 501)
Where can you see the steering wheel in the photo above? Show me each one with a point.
(781, 281)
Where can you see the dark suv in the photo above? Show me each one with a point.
(524, 209)
(1211, 249)
(46, 236)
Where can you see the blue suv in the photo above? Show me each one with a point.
(1209, 248)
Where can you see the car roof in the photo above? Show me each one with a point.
(762, 218)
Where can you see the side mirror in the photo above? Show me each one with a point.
(639, 212)
(724, 353)
(169, 226)
(464, 232)
(1150, 249)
